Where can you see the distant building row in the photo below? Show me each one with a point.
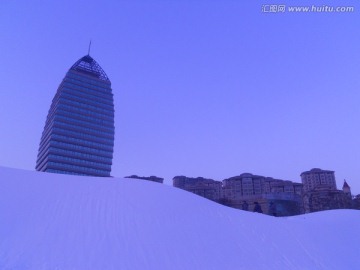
(274, 196)
(246, 191)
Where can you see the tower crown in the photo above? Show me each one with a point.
(89, 66)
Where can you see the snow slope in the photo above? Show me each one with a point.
(50, 221)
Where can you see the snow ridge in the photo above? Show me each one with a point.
(51, 221)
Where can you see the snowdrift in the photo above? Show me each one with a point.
(51, 221)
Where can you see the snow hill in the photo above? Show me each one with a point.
(51, 221)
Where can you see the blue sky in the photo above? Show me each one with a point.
(202, 88)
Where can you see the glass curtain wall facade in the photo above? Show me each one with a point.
(78, 136)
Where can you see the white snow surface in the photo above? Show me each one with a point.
(52, 221)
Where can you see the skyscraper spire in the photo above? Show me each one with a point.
(89, 48)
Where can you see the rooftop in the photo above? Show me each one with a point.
(316, 170)
(346, 185)
(89, 66)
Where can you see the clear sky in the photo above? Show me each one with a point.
(202, 88)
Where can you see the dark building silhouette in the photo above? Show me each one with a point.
(356, 202)
(78, 136)
(148, 178)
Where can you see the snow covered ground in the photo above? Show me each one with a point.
(50, 221)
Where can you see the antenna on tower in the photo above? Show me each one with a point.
(89, 47)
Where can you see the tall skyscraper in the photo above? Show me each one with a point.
(78, 136)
